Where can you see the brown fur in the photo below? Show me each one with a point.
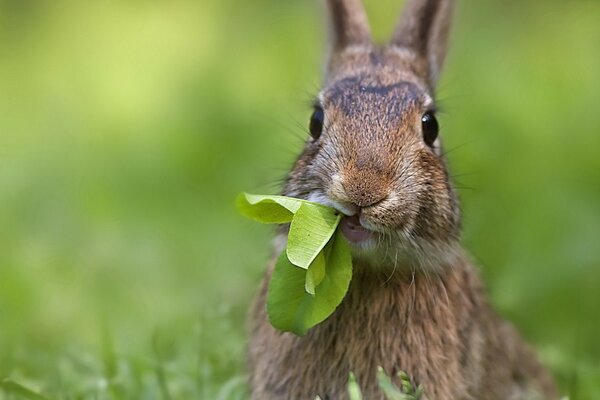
(439, 329)
(415, 302)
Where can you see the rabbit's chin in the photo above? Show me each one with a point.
(393, 252)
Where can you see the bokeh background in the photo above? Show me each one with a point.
(128, 127)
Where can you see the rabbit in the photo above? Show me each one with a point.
(415, 303)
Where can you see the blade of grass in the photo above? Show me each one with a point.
(353, 388)
(12, 387)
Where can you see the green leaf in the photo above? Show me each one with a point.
(290, 308)
(312, 227)
(312, 275)
(286, 293)
(315, 274)
(268, 209)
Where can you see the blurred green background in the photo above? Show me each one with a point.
(128, 127)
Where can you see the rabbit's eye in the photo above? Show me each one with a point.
(430, 128)
(316, 123)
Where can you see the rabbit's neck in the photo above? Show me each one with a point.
(408, 296)
(394, 260)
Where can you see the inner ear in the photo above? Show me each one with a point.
(423, 29)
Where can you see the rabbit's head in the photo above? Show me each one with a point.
(375, 154)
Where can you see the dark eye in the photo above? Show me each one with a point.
(430, 128)
(316, 123)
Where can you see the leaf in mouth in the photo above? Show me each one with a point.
(311, 277)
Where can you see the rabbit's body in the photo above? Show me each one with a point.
(437, 327)
(415, 303)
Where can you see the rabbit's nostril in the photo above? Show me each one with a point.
(353, 192)
(367, 200)
(364, 194)
(365, 187)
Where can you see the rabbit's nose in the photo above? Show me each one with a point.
(360, 189)
(365, 192)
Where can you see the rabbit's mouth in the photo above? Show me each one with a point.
(361, 235)
(356, 233)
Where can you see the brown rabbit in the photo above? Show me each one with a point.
(415, 303)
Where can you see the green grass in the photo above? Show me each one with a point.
(128, 128)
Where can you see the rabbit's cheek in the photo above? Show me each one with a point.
(391, 215)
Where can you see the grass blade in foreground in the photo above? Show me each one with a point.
(12, 387)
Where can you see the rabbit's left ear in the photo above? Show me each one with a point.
(423, 29)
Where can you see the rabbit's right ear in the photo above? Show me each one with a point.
(349, 27)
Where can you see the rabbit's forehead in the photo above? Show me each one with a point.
(367, 95)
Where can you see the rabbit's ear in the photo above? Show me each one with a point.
(423, 29)
(349, 26)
